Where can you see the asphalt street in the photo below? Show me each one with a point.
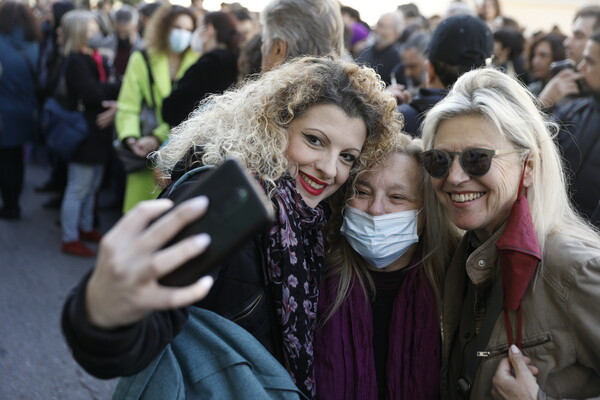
(35, 278)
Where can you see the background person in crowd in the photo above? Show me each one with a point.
(459, 44)
(357, 33)
(301, 129)
(217, 39)
(104, 17)
(167, 40)
(19, 103)
(250, 59)
(50, 61)
(197, 6)
(378, 335)
(246, 24)
(125, 39)
(579, 137)
(508, 54)
(493, 165)
(384, 54)
(491, 12)
(292, 28)
(146, 10)
(414, 58)
(542, 53)
(86, 82)
(563, 87)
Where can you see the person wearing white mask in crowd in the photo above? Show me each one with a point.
(379, 331)
(217, 39)
(167, 38)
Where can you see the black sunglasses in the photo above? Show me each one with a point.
(474, 161)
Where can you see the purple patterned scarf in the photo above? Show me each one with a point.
(344, 359)
(295, 258)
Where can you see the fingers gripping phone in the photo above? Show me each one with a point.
(238, 210)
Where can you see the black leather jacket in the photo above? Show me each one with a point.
(240, 293)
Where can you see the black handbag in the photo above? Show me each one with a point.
(132, 162)
(64, 129)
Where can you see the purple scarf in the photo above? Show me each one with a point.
(295, 258)
(344, 360)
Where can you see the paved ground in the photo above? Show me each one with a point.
(35, 277)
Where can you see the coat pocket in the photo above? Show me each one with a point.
(528, 343)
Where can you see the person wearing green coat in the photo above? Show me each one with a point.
(167, 41)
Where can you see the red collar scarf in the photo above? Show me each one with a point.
(99, 65)
(519, 253)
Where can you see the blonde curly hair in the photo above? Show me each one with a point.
(250, 122)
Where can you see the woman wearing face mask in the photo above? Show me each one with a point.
(167, 40)
(300, 129)
(378, 335)
(217, 40)
(86, 83)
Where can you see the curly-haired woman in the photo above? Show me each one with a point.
(301, 129)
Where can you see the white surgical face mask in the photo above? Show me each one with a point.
(380, 239)
(179, 40)
(197, 45)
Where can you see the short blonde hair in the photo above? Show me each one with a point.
(75, 26)
(251, 122)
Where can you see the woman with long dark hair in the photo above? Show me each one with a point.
(544, 51)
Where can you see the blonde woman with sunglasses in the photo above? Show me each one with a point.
(495, 172)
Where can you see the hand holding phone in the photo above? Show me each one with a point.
(123, 287)
(238, 210)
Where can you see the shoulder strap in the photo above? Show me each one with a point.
(485, 331)
(185, 177)
(61, 76)
(150, 76)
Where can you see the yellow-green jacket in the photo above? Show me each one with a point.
(135, 88)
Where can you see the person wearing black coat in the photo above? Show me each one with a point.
(87, 86)
(414, 112)
(580, 145)
(241, 295)
(213, 73)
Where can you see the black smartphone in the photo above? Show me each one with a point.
(558, 66)
(238, 210)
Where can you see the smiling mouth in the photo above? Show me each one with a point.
(312, 185)
(465, 197)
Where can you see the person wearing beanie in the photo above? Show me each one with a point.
(459, 44)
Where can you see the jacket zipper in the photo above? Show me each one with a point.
(248, 310)
(504, 349)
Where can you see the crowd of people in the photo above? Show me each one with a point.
(433, 181)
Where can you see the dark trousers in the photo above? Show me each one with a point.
(12, 170)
